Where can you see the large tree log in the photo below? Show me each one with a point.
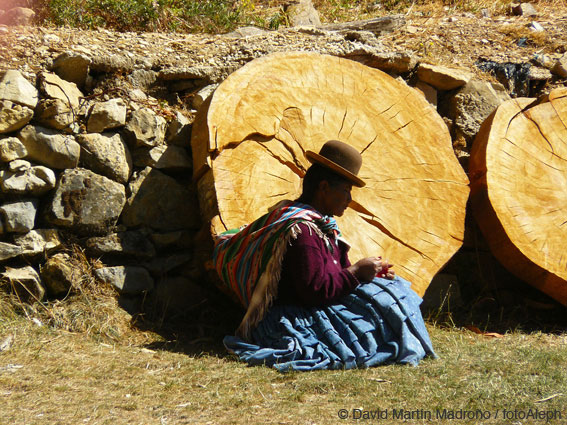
(249, 144)
(518, 175)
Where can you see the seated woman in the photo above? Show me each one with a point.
(307, 306)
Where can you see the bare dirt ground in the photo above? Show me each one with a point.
(458, 39)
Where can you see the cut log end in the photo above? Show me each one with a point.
(519, 189)
(265, 116)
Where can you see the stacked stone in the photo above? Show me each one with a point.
(110, 174)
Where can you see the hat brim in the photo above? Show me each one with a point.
(318, 159)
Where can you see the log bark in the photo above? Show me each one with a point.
(249, 145)
(518, 172)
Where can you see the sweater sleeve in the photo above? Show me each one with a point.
(312, 275)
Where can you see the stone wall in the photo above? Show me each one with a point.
(93, 156)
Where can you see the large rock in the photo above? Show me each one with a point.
(106, 154)
(39, 241)
(20, 179)
(160, 202)
(54, 87)
(127, 280)
(145, 128)
(19, 216)
(560, 67)
(163, 157)
(133, 244)
(11, 148)
(49, 147)
(59, 274)
(8, 250)
(13, 116)
(202, 95)
(56, 114)
(73, 67)
(302, 12)
(86, 202)
(443, 78)
(15, 88)
(177, 239)
(107, 115)
(18, 16)
(179, 131)
(396, 62)
(524, 9)
(26, 283)
(163, 265)
(473, 104)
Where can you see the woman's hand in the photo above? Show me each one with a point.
(368, 268)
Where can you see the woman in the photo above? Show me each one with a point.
(307, 306)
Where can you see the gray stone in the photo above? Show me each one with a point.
(8, 250)
(163, 265)
(536, 26)
(53, 87)
(537, 73)
(443, 78)
(127, 280)
(13, 116)
(142, 78)
(35, 180)
(17, 16)
(26, 283)
(112, 63)
(133, 244)
(107, 115)
(86, 202)
(15, 88)
(244, 32)
(302, 12)
(203, 95)
(19, 216)
(106, 154)
(145, 128)
(396, 62)
(179, 131)
(73, 67)
(19, 166)
(160, 202)
(428, 92)
(177, 239)
(38, 241)
(524, 9)
(163, 157)
(49, 147)
(11, 148)
(204, 73)
(560, 67)
(56, 114)
(175, 295)
(473, 104)
(59, 273)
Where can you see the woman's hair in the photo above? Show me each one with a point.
(315, 175)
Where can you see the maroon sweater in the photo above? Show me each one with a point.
(311, 275)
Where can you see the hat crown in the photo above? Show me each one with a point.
(340, 158)
(343, 155)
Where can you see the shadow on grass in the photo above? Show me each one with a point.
(198, 330)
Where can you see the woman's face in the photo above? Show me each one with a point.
(336, 198)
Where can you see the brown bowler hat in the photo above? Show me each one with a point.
(341, 158)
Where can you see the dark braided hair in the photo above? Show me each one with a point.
(315, 175)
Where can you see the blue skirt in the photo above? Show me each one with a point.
(379, 323)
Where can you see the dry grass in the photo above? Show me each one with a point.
(62, 378)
